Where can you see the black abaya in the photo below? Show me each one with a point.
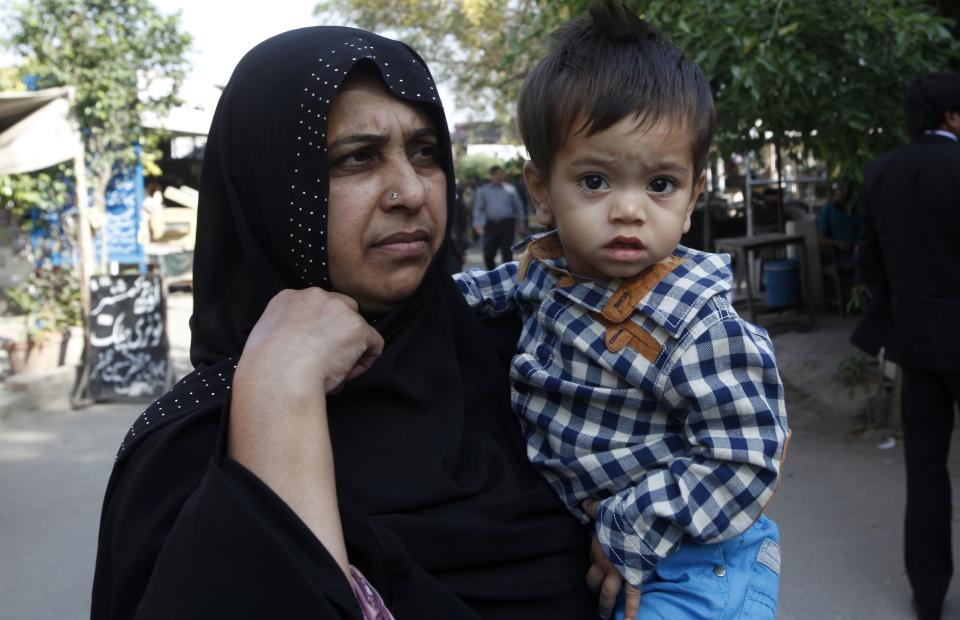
(441, 511)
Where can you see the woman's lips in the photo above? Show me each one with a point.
(624, 249)
(405, 244)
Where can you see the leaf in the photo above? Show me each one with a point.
(788, 29)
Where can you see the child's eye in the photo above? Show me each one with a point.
(661, 185)
(593, 182)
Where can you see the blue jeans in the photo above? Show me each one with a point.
(733, 580)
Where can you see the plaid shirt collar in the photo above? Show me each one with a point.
(670, 292)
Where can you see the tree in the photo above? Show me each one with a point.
(461, 40)
(123, 57)
(824, 75)
(476, 168)
(484, 47)
(948, 8)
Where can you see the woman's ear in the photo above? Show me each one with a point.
(537, 187)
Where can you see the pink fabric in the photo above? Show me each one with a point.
(370, 602)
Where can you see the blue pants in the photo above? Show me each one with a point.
(733, 580)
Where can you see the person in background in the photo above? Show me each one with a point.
(498, 215)
(909, 257)
(458, 242)
(839, 225)
(151, 218)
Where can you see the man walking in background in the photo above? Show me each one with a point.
(498, 215)
(910, 258)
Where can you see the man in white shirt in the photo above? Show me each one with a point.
(498, 215)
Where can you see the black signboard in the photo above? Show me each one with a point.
(127, 356)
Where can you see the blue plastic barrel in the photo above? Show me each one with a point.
(782, 281)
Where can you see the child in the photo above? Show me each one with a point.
(636, 382)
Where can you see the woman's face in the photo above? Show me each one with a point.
(388, 204)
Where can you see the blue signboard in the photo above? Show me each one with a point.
(124, 197)
(52, 241)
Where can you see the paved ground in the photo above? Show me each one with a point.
(53, 470)
(839, 508)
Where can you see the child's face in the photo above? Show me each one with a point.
(620, 198)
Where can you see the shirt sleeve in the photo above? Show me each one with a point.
(489, 293)
(726, 389)
(184, 535)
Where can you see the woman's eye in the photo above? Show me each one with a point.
(358, 158)
(593, 182)
(661, 185)
(429, 153)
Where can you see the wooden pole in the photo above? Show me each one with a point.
(84, 239)
(748, 193)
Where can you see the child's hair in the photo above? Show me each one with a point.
(929, 97)
(602, 67)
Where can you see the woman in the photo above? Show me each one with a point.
(322, 195)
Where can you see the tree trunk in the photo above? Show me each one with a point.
(779, 165)
(707, 214)
(101, 180)
(84, 240)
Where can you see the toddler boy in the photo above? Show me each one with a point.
(646, 401)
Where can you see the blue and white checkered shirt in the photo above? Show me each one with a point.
(650, 394)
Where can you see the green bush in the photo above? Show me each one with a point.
(476, 168)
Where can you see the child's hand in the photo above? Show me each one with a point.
(631, 603)
(603, 577)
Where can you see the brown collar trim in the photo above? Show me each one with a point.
(541, 249)
(625, 299)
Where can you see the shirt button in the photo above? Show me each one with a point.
(720, 570)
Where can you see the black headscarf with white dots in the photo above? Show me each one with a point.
(263, 196)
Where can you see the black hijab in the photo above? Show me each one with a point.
(441, 509)
(262, 221)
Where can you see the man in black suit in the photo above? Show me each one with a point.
(910, 258)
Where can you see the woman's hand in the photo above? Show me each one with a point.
(604, 578)
(306, 344)
(307, 339)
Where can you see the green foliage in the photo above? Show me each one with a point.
(11, 79)
(821, 74)
(46, 190)
(123, 57)
(856, 371)
(859, 298)
(49, 299)
(476, 44)
(476, 168)
(824, 74)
